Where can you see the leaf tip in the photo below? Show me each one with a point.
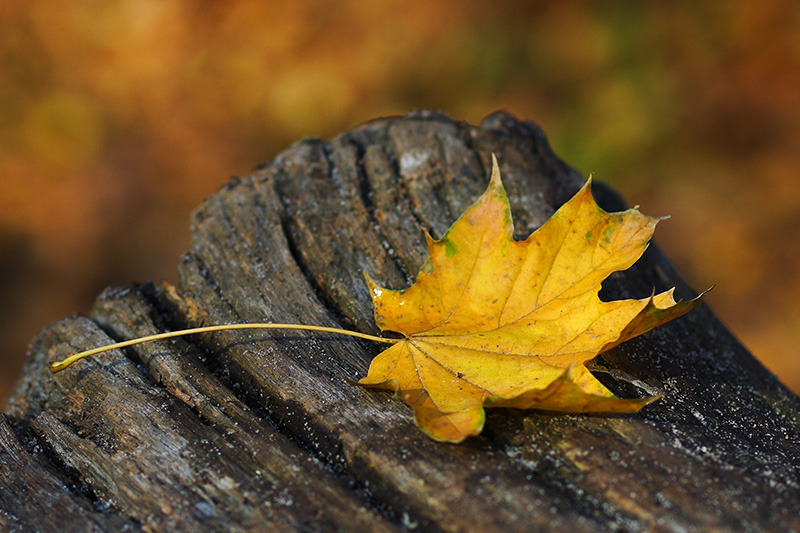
(453, 427)
(647, 401)
(495, 168)
(705, 291)
(372, 286)
(495, 180)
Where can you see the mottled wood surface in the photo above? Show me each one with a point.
(251, 430)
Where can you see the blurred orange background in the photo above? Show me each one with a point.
(117, 117)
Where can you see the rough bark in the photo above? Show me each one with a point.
(246, 430)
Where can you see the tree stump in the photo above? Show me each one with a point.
(253, 430)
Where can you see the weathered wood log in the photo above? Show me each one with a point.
(249, 430)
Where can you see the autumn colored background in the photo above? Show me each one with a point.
(118, 117)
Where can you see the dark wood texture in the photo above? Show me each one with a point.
(249, 430)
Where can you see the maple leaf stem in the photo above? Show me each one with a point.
(61, 365)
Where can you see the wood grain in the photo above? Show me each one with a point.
(248, 431)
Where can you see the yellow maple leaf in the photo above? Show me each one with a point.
(494, 322)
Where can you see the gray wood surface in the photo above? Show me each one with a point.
(249, 430)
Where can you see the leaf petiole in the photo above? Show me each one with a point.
(61, 365)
